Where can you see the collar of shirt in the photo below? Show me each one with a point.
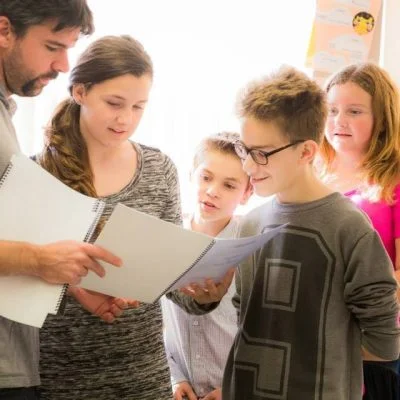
(9, 103)
(230, 230)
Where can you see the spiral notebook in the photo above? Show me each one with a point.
(159, 256)
(36, 207)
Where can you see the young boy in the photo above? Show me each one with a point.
(321, 294)
(198, 346)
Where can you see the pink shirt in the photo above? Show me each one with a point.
(385, 218)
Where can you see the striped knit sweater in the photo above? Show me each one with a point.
(85, 358)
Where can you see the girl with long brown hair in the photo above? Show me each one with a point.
(87, 147)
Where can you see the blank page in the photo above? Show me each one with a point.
(36, 207)
(154, 254)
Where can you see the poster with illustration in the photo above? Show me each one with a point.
(342, 33)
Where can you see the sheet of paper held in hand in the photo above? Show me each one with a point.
(159, 256)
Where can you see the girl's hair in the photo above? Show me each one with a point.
(382, 161)
(65, 153)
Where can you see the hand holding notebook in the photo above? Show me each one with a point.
(159, 256)
(37, 208)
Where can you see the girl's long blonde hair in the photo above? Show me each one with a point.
(382, 161)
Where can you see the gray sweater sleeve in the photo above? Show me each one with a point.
(236, 296)
(188, 304)
(370, 294)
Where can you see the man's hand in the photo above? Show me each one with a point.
(183, 390)
(105, 307)
(69, 261)
(214, 395)
(212, 292)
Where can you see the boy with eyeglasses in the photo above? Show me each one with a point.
(321, 294)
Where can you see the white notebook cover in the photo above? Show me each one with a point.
(36, 207)
(157, 254)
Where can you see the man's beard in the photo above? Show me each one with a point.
(30, 88)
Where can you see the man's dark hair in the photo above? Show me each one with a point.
(65, 13)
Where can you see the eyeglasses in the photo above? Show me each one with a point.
(259, 156)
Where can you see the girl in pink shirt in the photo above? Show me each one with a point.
(385, 218)
(361, 159)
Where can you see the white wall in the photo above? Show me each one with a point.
(203, 53)
(390, 54)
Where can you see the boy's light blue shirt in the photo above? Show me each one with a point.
(197, 346)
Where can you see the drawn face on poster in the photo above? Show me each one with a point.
(363, 23)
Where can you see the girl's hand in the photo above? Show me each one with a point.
(105, 307)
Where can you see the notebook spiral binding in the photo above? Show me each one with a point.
(195, 262)
(98, 205)
(98, 208)
(61, 301)
(5, 174)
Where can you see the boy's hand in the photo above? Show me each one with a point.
(183, 390)
(214, 395)
(367, 356)
(105, 307)
(212, 292)
(397, 277)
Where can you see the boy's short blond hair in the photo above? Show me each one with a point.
(222, 142)
(290, 99)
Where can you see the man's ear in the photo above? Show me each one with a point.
(79, 93)
(308, 152)
(7, 36)
(247, 194)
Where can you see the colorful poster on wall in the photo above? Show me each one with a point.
(342, 34)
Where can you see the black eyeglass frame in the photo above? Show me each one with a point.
(266, 154)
